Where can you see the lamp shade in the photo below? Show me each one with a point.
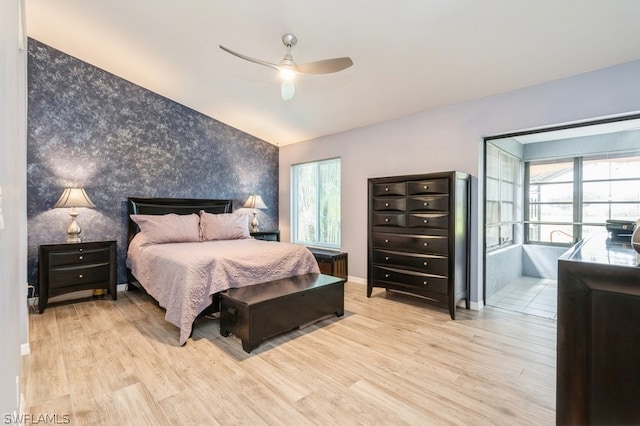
(74, 197)
(255, 202)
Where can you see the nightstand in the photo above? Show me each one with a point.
(266, 235)
(332, 262)
(64, 268)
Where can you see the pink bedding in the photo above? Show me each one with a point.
(183, 276)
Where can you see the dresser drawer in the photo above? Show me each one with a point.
(425, 204)
(426, 220)
(425, 282)
(429, 264)
(382, 189)
(389, 204)
(78, 256)
(389, 219)
(72, 276)
(413, 243)
(436, 186)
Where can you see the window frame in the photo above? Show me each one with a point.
(295, 208)
(516, 182)
(578, 202)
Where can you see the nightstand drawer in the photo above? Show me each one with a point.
(266, 235)
(78, 256)
(76, 276)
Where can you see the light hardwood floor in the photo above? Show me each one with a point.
(390, 360)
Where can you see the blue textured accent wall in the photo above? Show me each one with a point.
(89, 128)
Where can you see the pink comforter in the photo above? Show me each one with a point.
(183, 276)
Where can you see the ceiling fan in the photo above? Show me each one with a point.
(288, 68)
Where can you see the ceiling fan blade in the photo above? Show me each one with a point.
(247, 58)
(326, 66)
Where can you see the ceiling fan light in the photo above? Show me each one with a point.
(287, 90)
(287, 73)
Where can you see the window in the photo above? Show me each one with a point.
(503, 177)
(573, 198)
(315, 203)
(550, 203)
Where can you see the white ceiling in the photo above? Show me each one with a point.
(409, 55)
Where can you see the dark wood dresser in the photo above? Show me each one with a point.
(418, 238)
(65, 268)
(598, 352)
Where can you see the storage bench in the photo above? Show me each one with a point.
(258, 312)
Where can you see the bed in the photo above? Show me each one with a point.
(185, 252)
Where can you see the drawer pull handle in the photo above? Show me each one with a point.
(386, 219)
(386, 241)
(426, 221)
(425, 282)
(426, 204)
(386, 258)
(386, 189)
(80, 257)
(80, 250)
(425, 244)
(80, 276)
(425, 263)
(386, 275)
(426, 187)
(386, 204)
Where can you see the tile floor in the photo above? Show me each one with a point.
(534, 296)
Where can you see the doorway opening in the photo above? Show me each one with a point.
(545, 191)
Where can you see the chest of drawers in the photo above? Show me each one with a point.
(65, 268)
(418, 239)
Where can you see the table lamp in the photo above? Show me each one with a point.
(255, 202)
(73, 197)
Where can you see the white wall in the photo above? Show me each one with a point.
(450, 138)
(13, 239)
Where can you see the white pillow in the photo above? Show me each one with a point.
(168, 228)
(224, 226)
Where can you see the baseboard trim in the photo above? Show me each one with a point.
(476, 306)
(356, 280)
(25, 349)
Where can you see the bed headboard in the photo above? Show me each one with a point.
(171, 205)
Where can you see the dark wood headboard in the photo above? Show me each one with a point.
(171, 205)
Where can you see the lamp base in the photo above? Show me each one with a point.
(74, 228)
(254, 222)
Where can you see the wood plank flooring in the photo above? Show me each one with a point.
(391, 360)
